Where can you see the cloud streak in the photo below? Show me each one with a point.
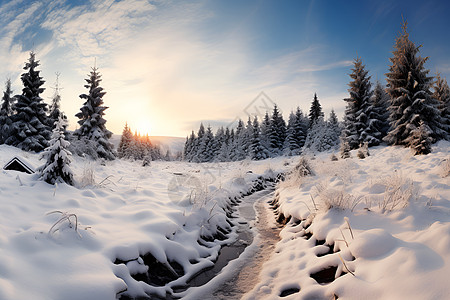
(160, 64)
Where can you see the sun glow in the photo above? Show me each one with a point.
(142, 127)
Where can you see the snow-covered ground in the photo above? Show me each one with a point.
(389, 223)
(399, 250)
(123, 212)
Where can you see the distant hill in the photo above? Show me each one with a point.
(175, 144)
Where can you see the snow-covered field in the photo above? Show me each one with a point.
(124, 211)
(400, 247)
(389, 223)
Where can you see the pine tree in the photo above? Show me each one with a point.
(189, 148)
(92, 123)
(29, 131)
(379, 103)
(420, 140)
(356, 119)
(225, 147)
(56, 168)
(315, 112)
(123, 151)
(55, 107)
(321, 137)
(376, 124)
(218, 140)
(247, 137)
(238, 152)
(411, 100)
(277, 132)
(264, 133)
(257, 151)
(208, 140)
(290, 144)
(168, 156)
(200, 145)
(333, 129)
(6, 112)
(442, 94)
(300, 127)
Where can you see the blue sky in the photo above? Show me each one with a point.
(167, 65)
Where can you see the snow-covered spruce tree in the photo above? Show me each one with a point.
(321, 137)
(6, 112)
(224, 152)
(189, 147)
(238, 152)
(55, 107)
(264, 133)
(333, 129)
(442, 94)
(56, 168)
(208, 140)
(277, 132)
(225, 147)
(123, 151)
(150, 151)
(379, 109)
(218, 140)
(198, 146)
(411, 100)
(92, 124)
(420, 140)
(29, 130)
(290, 143)
(257, 151)
(301, 127)
(247, 136)
(315, 112)
(295, 133)
(356, 120)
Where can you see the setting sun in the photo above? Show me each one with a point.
(142, 126)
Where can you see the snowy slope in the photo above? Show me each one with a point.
(386, 216)
(123, 211)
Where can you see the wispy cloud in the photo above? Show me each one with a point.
(159, 63)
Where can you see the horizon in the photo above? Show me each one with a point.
(185, 63)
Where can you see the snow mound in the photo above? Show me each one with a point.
(373, 244)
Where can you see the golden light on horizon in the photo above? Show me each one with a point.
(142, 127)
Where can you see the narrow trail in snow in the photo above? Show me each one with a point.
(255, 210)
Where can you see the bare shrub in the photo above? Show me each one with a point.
(297, 176)
(303, 168)
(445, 168)
(339, 199)
(399, 190)
(360, 154)
(363, 151)
(88, 176)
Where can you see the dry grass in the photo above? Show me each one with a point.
(338, 199)
(399, 191)
(445, 172)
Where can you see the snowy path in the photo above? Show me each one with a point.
(241, 275)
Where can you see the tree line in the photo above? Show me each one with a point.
(405, 112)
(28, 123)
(269, 137)
(137, 147)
